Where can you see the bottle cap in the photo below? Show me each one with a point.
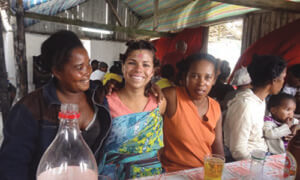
(62, 115)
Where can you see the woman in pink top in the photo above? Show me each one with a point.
(136, 132)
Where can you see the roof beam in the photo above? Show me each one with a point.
(155, 14)
(165, 11)
(267, 4)
(77, 22)
(115, 12)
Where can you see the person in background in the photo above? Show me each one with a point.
(103, 67)
(221, 88)
(136, 133)
(292, 80)
(244, 120)
(174, 57)
(192, 121)
(95, 65)
(292, 85)
(33, 121)
(96, 75)
(241, 79)
(116, 69)
(167, 77)
(279, 126)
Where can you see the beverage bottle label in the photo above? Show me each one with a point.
(290, 167)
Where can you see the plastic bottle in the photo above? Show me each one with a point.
(68, 157)
(257, 164)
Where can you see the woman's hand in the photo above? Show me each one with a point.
(156, 91)
(111, 86)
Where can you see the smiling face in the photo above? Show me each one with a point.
(200, 78)
(284, 111)
(138, 68)
(75, 75)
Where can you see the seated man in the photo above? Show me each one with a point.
(244, 121)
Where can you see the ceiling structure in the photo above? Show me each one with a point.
(160, 15)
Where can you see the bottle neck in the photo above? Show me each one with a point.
(69, 124)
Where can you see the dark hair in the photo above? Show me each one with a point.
(167, 71)
(94, 62)
(225, 71)
(103, 65)
(141, 45)
(198, 57)
(56, 50)
(276, 100)
(295, 70)
(264, 68)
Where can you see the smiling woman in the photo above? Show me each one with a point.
(33, 122)
(136, 134)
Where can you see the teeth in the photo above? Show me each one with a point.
(137, 77)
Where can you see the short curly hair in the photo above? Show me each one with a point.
(139, 45)
(264, 68)
(276, 100)
(56, 50)
(186, 64)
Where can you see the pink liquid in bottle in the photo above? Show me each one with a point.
(71, 172)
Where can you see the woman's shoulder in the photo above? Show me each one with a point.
(170, 92)
(214, 105)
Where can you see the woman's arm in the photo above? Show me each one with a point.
(217, 146)
(19, 145)
(171, 101)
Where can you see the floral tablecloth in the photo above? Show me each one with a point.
(273, 170)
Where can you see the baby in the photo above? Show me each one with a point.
(280, 126)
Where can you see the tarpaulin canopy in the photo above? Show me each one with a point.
(283, 42)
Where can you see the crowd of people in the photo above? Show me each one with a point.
(141, 123)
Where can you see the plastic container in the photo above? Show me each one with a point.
(257, 164)
(68, 157)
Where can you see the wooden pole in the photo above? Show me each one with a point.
(155, 14)
(20, 52)
(267, 4)
(77, 22)
(115, 12)
(4, 96)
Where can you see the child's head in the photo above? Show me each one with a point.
(282, 107)
(200, 74)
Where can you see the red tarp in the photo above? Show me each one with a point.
(193, 38)
(284, 42)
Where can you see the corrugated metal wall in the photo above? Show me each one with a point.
(93, 11)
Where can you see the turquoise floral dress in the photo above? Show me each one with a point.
(131, 148)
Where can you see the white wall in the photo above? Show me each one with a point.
(107, 51)
(9, 57)
(33, 48)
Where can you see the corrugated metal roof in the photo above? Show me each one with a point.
(47, 7)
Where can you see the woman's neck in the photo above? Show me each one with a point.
(65, 96)
(129, 92)
(200, 102)
(261, 92)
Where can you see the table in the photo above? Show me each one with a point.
(273, 170)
